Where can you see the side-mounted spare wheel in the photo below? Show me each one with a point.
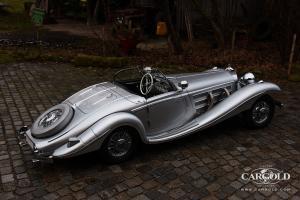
(52, 121)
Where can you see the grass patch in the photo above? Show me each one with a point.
(16, 6)
(295, 75)
(179, 68)
(13, 18)
(15, 22)
(37, 55)
(99, 61)
(31, 55)
(6, 57)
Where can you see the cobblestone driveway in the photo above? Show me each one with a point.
(207, 165)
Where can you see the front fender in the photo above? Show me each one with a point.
(237, 102)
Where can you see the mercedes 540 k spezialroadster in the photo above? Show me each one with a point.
(147, 106)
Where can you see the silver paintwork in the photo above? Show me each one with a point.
(209, 98)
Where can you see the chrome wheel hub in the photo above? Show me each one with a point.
(261, 112)
(50, 118)
(119, 143)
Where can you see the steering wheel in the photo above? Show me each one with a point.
(146, 83)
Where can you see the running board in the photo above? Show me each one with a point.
(234, 104)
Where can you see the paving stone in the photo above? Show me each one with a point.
(4, 157)
(141, 197)
(39, 192)
(106, 194)
(234, 197)
(7, 178)
(64, 191)
(94, 197)
(205, 166)
(50, 196)
(149, 184)
(177, 193)
(7, 196)
(295, 198)
(77, 186)
(134, 182)
(177, 163)
(258, 196)
(195, 174)
(200, 183)
(121, 187)
(5, 170)
(135, 191)
(213, 187)
(79, 195)
(283, 195)
(236, 184)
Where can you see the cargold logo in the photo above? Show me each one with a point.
(266, 176)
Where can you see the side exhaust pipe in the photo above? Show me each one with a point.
(38, 160)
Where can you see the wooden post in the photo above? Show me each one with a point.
(232, 43)
(292, 54)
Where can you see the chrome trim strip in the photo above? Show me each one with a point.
(215, 86)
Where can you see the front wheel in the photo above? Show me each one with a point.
(119, 145)
(261, 113)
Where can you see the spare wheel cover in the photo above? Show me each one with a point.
(52, 121)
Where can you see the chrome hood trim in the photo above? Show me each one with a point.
(94, 97)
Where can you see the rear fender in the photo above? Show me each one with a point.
(116, 120)
(92, 139)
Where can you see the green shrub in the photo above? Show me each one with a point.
(294, 77)
(6, 57)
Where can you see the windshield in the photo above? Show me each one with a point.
(145, 82)
(128, 74)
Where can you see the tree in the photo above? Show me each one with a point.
(285, 16)
(174, 38)
(95, 11)
(222, 24)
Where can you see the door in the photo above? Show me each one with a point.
(166, 112)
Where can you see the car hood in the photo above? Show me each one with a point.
(206, 79)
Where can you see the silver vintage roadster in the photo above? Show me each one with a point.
(146, 105)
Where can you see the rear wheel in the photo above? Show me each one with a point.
(261, 113)
(120, 145)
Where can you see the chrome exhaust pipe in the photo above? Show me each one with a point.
(35, 161)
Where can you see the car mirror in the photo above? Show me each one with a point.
(183, 84)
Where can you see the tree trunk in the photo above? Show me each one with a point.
(90, 12)
(97, 11)
(215, 22)
(173, 35)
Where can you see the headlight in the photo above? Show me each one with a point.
(248, 78)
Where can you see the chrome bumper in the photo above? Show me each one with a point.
(24, 141)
